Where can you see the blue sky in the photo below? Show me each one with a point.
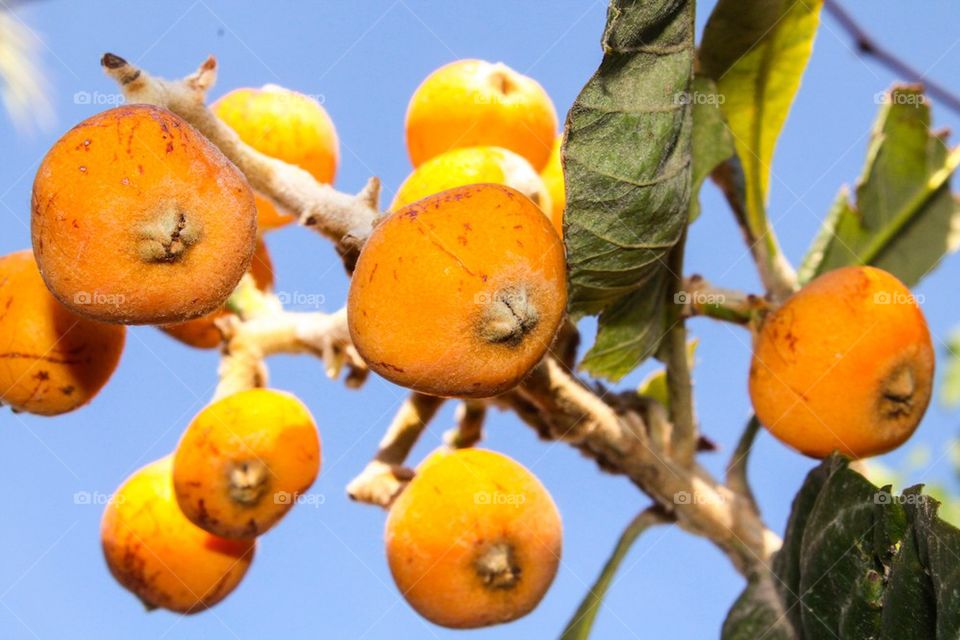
(322, 572)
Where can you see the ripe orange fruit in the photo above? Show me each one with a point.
(845, 364)
(552, 176)
(243, 461)
(472, 165)
(473, 540)
(203, 332)
(139, 219)
(154, 552)
(472, 102)
(459, 294)
(51, 360)
(288, 126)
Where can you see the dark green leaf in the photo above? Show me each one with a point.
(857, 562)
(627, 163)
(905, 219)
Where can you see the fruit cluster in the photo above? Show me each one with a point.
(459, 291)
(138, 219)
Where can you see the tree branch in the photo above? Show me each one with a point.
(869, 47)
(345, 219)
(700, 298)
(385, 476)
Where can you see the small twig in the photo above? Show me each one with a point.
(700, 298)
(248, 341)
(344, 218)
(736, 475)
(385, 476)
(871, 48)
(469, 429)
(674, 355)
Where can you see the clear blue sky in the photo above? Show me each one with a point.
(322, 572)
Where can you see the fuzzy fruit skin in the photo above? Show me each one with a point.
(472, 165)
(270, 432)
(154, 552)
(824, 361)
(108, 195)
(202, 332)
(473, 102)
(552, 176)
(286, 125)
(430, 275)
(51, 360)
(459, 504)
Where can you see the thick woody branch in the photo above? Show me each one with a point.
(346, 219)
(385, 476)
(617, 439)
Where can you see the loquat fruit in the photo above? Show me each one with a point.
(202, 332)
(286, 125)
(243, 461)
(139, 219)
(460, 293)
(845, 364)
(473, 102)
(161, 557)
(473, 540)
(472, 165)
(51, 360)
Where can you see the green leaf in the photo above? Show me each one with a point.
(627, 163)
(712, 142)
(757, 52)
(857, 562)
(582, 621)
(905, 219)
(629, 331)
